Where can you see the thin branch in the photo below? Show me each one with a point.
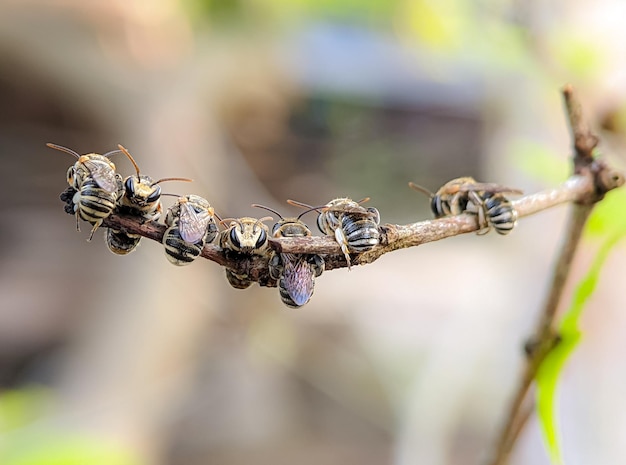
(393, 236)
(602, 179)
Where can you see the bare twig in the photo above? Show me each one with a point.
(394, 236)
(602, 179)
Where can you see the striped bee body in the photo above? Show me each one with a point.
(119, 242)
(141, 197)
(499, 213)
(360, 232)
(296, 277)
(190, 226)
(244, 237)
(354, 227)
(97, 187)
(92, 203)
(294, 273)
(485, 200)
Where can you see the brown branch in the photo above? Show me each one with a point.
(601, 179)
(393, 236)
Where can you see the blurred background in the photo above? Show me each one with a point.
(129, 360)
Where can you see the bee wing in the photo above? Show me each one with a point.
(298, 278)
(358, 210)
(192, 225)
(488, 187)
(102, 174)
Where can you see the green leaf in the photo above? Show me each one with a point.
(53, 448)
(547, 379)
(608, 218)
(547, 376)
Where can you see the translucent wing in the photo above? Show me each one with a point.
(298, 278)
(192, 225)
(353, 210)
(488, 187)
(102, 174)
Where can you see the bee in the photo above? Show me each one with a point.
(485, 200)
(96, 184)
(141, 198)
(190, 226)
(295, 273)
(244, 236)
(354, 227)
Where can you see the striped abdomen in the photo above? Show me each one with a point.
(361, 233)
(121, 243)
(443, 205)
(178, 251)
(93, 203)
(499, 213)
(327, 222)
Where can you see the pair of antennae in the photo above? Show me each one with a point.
(77, 155)
(319, 209)
(308, 207)
(132, 160)
(237, 220)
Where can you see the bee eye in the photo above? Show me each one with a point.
(129, 185)
(70, 175)
(234, 239)
(156, 194)
(262, 238)
(320, 224)
(275, 229)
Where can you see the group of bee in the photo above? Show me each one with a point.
(96, 191)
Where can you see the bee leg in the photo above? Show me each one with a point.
(340, 237)
(93, 230)
(317, 262)
(483, 223)
(77, 221)
(275, 265)
(454, 205)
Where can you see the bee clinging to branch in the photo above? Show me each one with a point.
(141, 198)
(190, 226)
(354, 227)
(295, 273)
(485, 200)
(243, 237)
(95, 187)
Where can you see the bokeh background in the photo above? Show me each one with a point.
(129, 360)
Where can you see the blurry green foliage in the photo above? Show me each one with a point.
(608, 223)
(608, 217)
(550, 370)
(540, 162)
(576, 54)
(369, 12)
(26, 439)
(21, 407)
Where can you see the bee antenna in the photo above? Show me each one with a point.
(304, 205)
(171, 195)
(261, 220)
(223, 222)
(256, 205)
(418, 188)
(112, 152)
(295, 203)
(63, 149)
(363, 200)
(307, 211)
(130, 157)
(169, 179)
